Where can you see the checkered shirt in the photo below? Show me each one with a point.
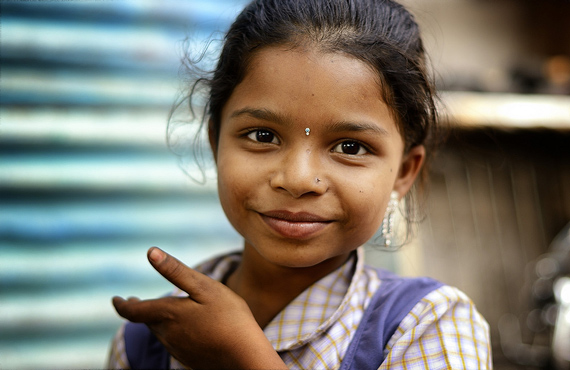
(442, 331)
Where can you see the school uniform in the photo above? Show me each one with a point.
(406, 324)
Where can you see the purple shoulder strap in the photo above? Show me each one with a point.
(144, 350)
(392, 302)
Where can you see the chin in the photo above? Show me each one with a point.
(301, 256)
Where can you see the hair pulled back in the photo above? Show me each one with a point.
(381, 33)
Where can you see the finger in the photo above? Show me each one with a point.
(197, 285)
(135, 310)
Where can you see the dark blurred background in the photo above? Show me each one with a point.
(87, 183)
(500, 186)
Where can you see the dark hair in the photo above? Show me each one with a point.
(381, 33)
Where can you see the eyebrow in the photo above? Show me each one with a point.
(260, 113)
(338, 126)
(348, 126)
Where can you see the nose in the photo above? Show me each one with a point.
(300, 172)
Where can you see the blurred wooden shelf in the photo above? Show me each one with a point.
(503, 110)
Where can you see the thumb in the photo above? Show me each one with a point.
(182, 276)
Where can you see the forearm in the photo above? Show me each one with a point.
(258, 354)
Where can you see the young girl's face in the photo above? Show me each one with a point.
(307, 155)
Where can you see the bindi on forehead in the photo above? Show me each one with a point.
(290, 87)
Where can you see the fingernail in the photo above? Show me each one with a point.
(116, 300)
(156, 255)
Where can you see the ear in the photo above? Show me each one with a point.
(212, 137)
(410, 167)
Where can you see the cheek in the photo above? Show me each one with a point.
(369, 200)
(228, 188)
(236, 182)
(370, 210)
(229, 184)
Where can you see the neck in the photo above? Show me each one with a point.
(269, 288)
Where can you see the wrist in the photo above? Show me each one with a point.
(258, 353)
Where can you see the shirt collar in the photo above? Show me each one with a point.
(313, 311)
(317, 308)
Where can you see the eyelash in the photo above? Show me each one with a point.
(361, 147)
(253, 135)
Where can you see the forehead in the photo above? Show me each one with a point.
(287, 65)
(310, 84)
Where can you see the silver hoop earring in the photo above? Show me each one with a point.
(389, 220)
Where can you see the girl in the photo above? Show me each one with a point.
(320, 118)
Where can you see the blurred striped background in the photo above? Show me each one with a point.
(87, 183)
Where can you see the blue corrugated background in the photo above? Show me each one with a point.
(86, 181)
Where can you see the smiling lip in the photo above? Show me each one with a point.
(294, 225)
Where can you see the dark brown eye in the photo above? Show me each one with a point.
(263, 136)
(350, 147)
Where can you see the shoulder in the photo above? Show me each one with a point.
(136, 347)
(445, 305)
(389, 279)
(117, 355)
(399, 294)
(142, 349)
(443, 329)
(391, 299)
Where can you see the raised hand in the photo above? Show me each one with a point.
(212, 328)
